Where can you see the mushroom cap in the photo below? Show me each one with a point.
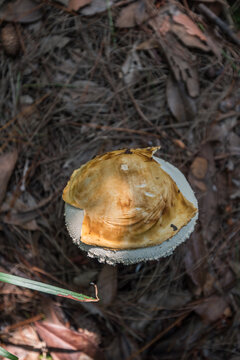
(128, 206)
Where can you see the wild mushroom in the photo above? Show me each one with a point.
(128, 206)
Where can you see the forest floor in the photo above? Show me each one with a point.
(78, 81)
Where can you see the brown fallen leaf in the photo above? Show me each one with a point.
(107, 284)
(60, 337)
(195, 260)
(199, 167)
(78, 4)
(23, 11)
(126, 18)
(24, 336)
(180, 59)
(189, 40)
(96, 6)
(132, 15)
(7, 165)
(179, 143)
(25, 220)
(209, 199)
(212, 308)
(180, 104)
(148, 44)
(200, 185)
(191, 28)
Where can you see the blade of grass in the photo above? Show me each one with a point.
(7, 354)
(49, 289)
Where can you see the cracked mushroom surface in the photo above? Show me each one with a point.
(128, 206)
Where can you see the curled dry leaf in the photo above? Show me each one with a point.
(180, 104)
(7, 165)
(23, 11)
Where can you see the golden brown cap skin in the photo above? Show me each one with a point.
(129, 201)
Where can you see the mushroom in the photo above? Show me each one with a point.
(128, 206)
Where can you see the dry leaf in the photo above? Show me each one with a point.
(189, 40)
(131, 67)
(200, 185)
(126, 18)
(78, 4)
(179, 143)
(191, 28)
(23, 11)
(180, 104)
(25, 220)
(7, 165)
(175, 33)
(195, 260)
(97, 6)
(107, 284)
(180, 60)
(208, 202)
(212, 308)
(49, 43)
(132, 15)
(24, 336)
(141, 14)
(59, 336)
(148, 44)
(199, 167)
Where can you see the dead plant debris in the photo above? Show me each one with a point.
(94, 76)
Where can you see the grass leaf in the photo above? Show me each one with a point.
(49, 289)
(7, 354)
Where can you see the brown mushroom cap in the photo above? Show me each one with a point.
(129, 200)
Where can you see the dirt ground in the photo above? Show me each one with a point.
(75, 85)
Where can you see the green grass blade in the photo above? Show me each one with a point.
(49, 289)
(7, 354)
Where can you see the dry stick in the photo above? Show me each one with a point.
(110, 128)
(223, 26)
(23, 323)
(159, 336)
(139, 111)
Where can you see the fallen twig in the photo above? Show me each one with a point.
(223, 26)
